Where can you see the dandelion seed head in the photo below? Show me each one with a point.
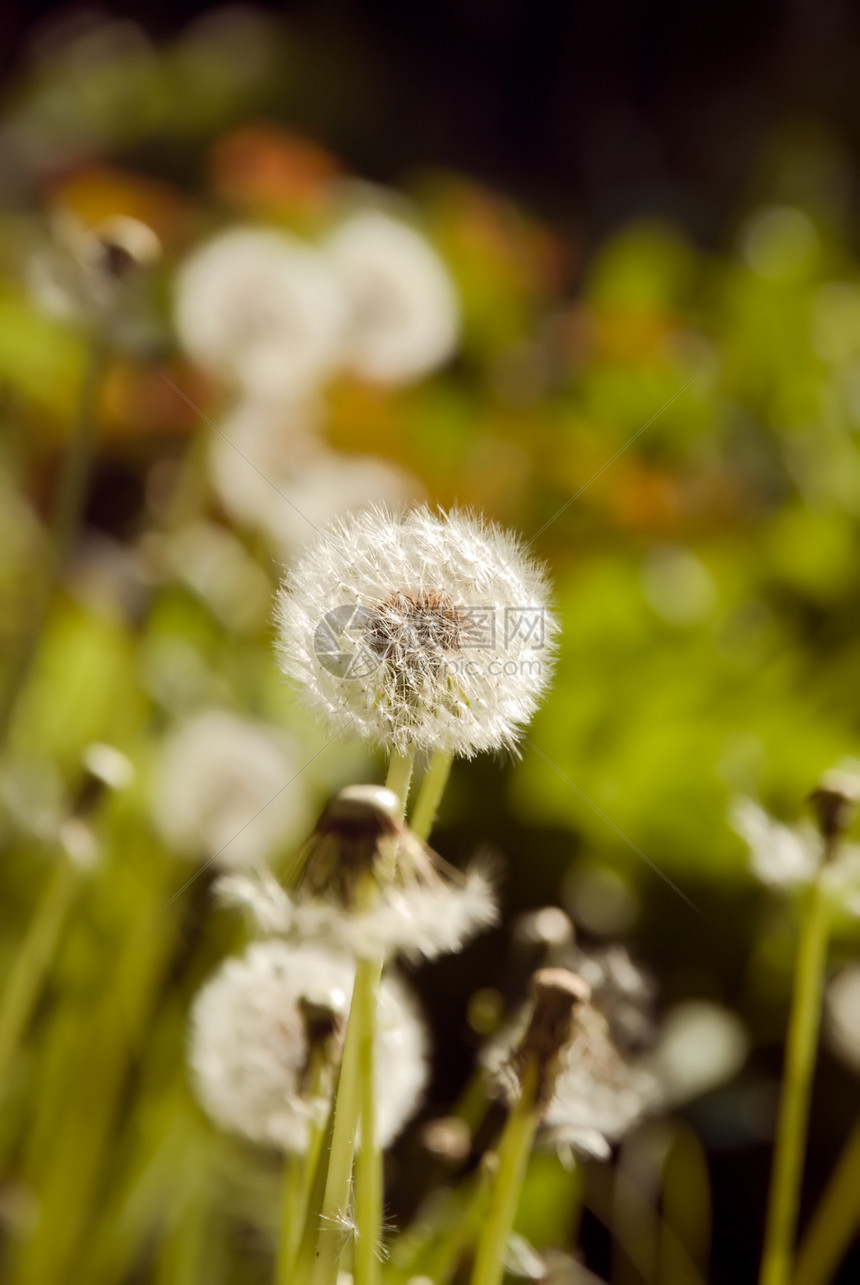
(250, 1036)
(779, 854)
(263, 309)
(223, 789)
(403, 310)
(419, 630)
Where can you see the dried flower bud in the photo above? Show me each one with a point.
(125, 244)
(835, 802)
(360, 830)
(556, 994)
(83, 272)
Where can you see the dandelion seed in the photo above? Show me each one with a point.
(427, 631)
(263, 309)
(224, 789)
(250, 1041)
(403, 311)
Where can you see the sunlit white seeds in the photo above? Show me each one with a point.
(250, 1045)
(403, 314)
(418, 630)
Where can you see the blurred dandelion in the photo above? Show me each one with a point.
(262, 309)
(252, 1029)
(273, 474)
(85, 270)
(219, 791)
(403, 316)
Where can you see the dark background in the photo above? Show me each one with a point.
(596, 111)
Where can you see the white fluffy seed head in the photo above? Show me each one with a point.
(262, 309)
(403, 310)
(248, 1047)
(418, 630)
(223, 790)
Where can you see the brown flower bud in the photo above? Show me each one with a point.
(556, 994)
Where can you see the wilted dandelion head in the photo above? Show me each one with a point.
(83, 272)
(403, 311)
(370, 886)
(418, 630)
(257, 1024)
(223, 790)
(262, 309)
(590, 1093)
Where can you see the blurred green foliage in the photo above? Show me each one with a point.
(678, 432)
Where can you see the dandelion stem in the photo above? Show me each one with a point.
(304, 1261)
(400, 774)
(368, 1167)
(32, 960)
(430, 794)
(348, 1107)
(834, 1222)
(796, 1092)
(513, 1153)
(298, 1183)
(69, 506)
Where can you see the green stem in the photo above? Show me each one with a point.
(70, 500)
(834, 1222)
(400, 774)
(514, 1150)
(430, 794)
(299, 1174)
(368, 1167)
(803, 1027)
(32, 960)
(348, 1105)
(304, 1262)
